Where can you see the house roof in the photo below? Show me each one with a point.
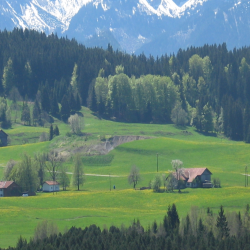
(1, 131)
(51, 183)
(5, 184)
(189, 174)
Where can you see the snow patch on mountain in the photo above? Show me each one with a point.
(102, 3)
(169, 7)
(51, 15)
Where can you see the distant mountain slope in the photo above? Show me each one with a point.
(150, 26)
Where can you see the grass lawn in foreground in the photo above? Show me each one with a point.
(19, 216)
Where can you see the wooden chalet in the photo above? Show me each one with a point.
(9, 188)
(3, 138)
(196, 177)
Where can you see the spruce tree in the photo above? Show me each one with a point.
(93, 104)
(148, 113)
(56, 131)
(51, 132)
(72, 103)
(222, 224)
(25, 117)
(65, 109)
(54, 108)
(248, 135)
(45, 100)
(3, 119)
(28, 88)
(78, 103)
(36, 113)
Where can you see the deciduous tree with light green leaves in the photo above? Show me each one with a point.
(179, 115)
(8, 77)
(74, 77)
(177, 165)
(156, 183)
(134, 176)
(207, 119)
(25, 175)
(78, 174)
(76, 123)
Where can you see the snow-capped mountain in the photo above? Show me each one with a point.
(152, 26)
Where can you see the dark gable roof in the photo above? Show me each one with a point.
(189, 174)
(1, 131)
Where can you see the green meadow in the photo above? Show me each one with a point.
(97, 204)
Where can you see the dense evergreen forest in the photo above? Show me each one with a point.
(207, 87)
(210, 231)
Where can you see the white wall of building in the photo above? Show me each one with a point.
(50, 188)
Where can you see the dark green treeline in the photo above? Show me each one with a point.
(209, 83)
(209, 232)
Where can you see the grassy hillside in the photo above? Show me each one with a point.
(97, 204)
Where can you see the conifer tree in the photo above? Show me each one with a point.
(36, 113)
(148, 113)
(78, 103)
(45, 100)
(65, 109)
(246, 122)
(3, 118)
(248, 135)
(93, 104)
(51, 132)
(54, 108)
(222, 224)
(25, 117)
(72, 103)
(56, 131)
(28, 87)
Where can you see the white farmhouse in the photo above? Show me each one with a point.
(51, 186)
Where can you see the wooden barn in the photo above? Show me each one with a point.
(9, 188)
(196, 177)
(51, 186)
(3, 138)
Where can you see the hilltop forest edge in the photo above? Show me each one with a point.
(207, 87)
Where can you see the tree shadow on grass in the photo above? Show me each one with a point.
(172, 192)
(211, 134)
(181, 127)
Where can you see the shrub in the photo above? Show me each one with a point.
(216, 183)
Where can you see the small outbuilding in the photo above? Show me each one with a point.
(51, 186)
(3, 138)
(9, 188)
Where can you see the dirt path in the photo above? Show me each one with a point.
(101, 175)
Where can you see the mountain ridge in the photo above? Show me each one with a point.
(134, 26)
